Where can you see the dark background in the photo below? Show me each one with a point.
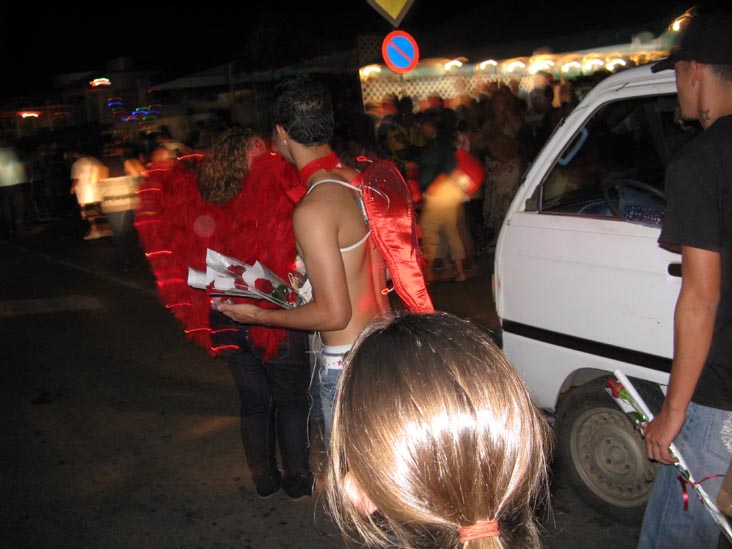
(177, 39)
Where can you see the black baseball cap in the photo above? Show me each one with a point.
(706, 38)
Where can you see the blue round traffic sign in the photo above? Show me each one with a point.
(400, 51)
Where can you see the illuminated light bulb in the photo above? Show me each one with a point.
(515, 65)
(369, 70)
(571, 65)
(100, 82)
(454, 63)
(541, 66)
(484, 64)
(615, 63)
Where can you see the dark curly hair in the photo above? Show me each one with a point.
(224, 166)
(304, 108)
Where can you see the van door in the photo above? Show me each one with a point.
(575, 268)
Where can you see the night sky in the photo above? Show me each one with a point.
(180, 40)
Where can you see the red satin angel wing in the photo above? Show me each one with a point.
(393, 224)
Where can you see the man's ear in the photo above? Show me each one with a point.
(695, 73)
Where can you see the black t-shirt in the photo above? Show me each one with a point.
(699, 215)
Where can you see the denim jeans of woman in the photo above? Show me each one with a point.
(274, 402)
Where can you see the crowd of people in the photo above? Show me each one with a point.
(432, 438)
(501, 128)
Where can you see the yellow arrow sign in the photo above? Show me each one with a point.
(393, 10)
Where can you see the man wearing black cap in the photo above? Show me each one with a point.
(697, 411)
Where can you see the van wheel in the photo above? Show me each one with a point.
(601, 454)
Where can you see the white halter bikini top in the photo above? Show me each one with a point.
(304, 288)
(360, 201)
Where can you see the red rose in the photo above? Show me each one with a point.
(236, 269)
(291, 297)
(615, 386)
(263, 285)
(239, 283)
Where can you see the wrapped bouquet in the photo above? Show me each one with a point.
(227, 276)
(629, 400)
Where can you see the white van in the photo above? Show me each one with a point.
(582, 287)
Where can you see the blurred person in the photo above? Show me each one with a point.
(443, 212)
(86, 171)
(443, 137)
(238, 200)
(119, 198)
(438, 154)
(502, 161)
(13, 179)
(344, 273)
(696, 414)
(436, 157)
(524, 132)
(385, 114)
(167, 148)
(542, 113)
(404, 138)
(458, 461)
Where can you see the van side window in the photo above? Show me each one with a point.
(616, 163)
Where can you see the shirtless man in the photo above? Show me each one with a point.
(343, 268)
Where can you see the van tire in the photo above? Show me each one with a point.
(600, 453)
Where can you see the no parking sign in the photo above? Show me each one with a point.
(400, 51)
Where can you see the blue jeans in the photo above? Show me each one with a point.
(316, 406)
(707, 450)
(328, 377)
(274, 399)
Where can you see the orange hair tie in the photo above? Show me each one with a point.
(479, 530)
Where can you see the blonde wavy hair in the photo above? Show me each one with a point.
(438, 432)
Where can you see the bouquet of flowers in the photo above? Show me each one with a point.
(226, 276)
(629, 400)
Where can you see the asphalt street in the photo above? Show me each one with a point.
(119, 433)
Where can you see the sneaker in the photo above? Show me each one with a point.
(266, 486)
(298, 486)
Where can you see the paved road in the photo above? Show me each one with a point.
(121, 434)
